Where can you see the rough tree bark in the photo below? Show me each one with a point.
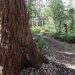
(19, 48)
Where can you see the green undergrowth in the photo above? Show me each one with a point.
(42, 30)
(67, 37)
(46, 31)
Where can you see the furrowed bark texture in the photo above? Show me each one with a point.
(19, 49)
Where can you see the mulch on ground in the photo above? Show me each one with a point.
(49, 69)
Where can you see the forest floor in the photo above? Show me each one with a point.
(61, 56)
(61, 52)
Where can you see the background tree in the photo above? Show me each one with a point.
(71, 14)
(58, 13)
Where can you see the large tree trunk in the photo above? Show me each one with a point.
(19, 49)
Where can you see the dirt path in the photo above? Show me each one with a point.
(62, 52)
(49, 69)
(56, 44)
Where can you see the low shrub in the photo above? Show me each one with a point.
(68, 37)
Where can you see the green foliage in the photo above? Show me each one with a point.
(68, 37)
(49, 20)
(58, 13)
(43, 30)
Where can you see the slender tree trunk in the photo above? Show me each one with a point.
(72, 22)
(20, 50)
(59, 27)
